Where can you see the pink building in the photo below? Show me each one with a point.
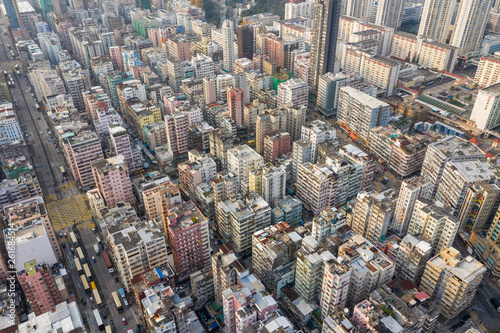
(236, 104)
(158, 36)
(170, 103)
(177, 132)
(362, 313)
(187, 230)
(94, 99)
(82, 150)
(39, 287)
(115, 52)
(137, 71)
(112, 180)
(178, 48)
(275, 145)
(245, 306)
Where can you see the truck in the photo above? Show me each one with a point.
(121, 292)
(496, 303)
(92, 226)
(107, 261)
(96, 249)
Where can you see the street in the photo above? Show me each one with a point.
(63, 200)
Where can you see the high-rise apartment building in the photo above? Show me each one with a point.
(274, 251)
(486, 111)
(39, 287)
(241, 160)
(301, 153)
(120, 141)
(295, 9)
(359, 113)
(136, 246)
(275, 145)
(193, 173)
(412, 256)
(470, 24)
(479, 207)
(317, 132)
(372, 214)
(238, 219)
(226, 270)
(450, 148)
(157, 195)
(82, 150)
(245, 42)
(287, 119)
(335, 286)
(112, 179)
(324, 39)
(434, 224)
(187, 231)
(228, 45)
(328, 92)
(315, 186)
(177, 132)
(309, 269)
(235, 103)
(436, 19)
(488, 72)
(452, 281)
(293, 93)
(268, 182)
(411, 189)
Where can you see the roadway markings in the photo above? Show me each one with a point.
(50, 198)
(477, 322)
(70, 211)
(67, 185)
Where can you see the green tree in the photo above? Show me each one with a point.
(452, 88)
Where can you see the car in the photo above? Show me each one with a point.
(138, 328)
(466, 317)
(117, 280)
(61, 234)
(41, 132)
(453, 328)
(124, 321)
(104, 313)
(130, 330)
(461, 323)
(376, 171)
(65, 235)
(72, 250)
(38, 118)
(47, 129)
(58, 151)
(91, 299)
(84, 301)
(384, 169)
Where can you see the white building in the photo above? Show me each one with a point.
(488, 71)
(9, 126)
(359, 113)
(50, 45)
(434, 224)
(299, 9)
(273, 184)
(412, 256)
(411, 189)
(227, 41)
(486, 111)
(203, 66)
(372, 214)
(470, 25)
(317, 132)
(293, 91)
(301, 153)
(241, 160)
(436, 19)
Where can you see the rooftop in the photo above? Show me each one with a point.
(184, 215)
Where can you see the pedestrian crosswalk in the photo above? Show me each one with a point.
(477, 322)
(68, 212)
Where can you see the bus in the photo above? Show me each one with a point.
(78, 267)
(117, 301)
(63, 171)
(73, 239)
(80, 255)
(98, 320)
(108, 329)
(97, 298)
(85, 284)
(87, 272)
